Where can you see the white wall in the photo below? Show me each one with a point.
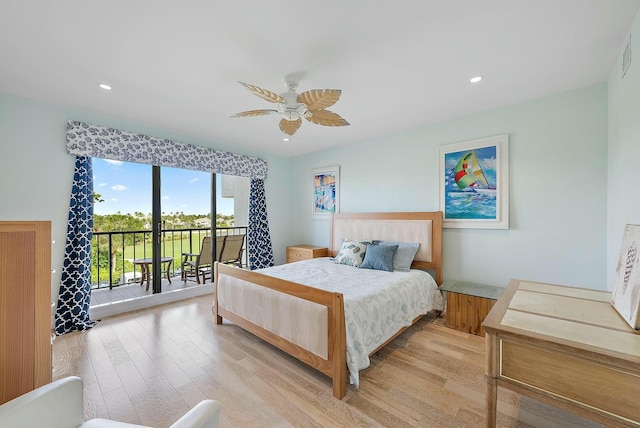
(623, 194)
(558, 167)
(238, 189)
(36, 172)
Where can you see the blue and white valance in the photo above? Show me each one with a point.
(84, 139)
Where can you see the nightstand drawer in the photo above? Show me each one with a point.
(295, 253)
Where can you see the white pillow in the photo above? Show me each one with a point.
(351, 253)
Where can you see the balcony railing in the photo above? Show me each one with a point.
(113, 253)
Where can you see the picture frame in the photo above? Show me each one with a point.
(474, 183)
(326, 191)
(625, 296)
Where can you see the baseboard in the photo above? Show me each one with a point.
(109, 309)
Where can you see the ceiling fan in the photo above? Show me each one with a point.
(293, 106)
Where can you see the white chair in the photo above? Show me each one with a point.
(59, 404)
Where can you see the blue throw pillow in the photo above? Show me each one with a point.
(379, 257)
(403, 256)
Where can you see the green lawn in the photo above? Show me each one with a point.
(170, 248)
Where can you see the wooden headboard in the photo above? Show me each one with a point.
(422, 227)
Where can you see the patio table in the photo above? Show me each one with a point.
(145, 268)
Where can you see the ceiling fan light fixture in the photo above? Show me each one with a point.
(291, 114)
(293, 107)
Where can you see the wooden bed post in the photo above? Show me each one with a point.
(215, 294)
(437, 245)
(339, 348)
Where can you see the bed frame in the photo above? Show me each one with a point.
(423, 227)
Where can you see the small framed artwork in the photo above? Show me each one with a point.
(474, 183)
(626, 290)
(326, 191)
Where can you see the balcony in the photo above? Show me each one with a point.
(115, 277)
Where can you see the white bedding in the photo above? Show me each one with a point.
(377, 304)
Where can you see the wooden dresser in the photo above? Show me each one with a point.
(295, 253)
(565, 346)
(25, 307)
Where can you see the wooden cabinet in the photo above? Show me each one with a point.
(25, 307)
(295, 253)
(565, 346)
(468, 305)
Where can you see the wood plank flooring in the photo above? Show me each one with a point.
(151, 366)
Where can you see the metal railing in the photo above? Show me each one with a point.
(113, 253)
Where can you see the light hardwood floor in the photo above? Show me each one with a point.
(151, 366)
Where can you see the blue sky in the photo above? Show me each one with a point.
(126, 187)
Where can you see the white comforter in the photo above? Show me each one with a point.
(377, 304)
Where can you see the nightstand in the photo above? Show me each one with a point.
(295, 253)
(468, 305)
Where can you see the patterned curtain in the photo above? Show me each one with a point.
(258, 237)
(75, 288)
(96, 141)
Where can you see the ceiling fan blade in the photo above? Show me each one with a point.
(254, 113)
(263, 93)
(317, 99)
(290, 126)
(326, 118)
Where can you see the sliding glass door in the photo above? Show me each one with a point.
(145, 218)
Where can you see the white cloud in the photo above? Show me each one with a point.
(193, 180)
(490, 163)
(119, 187)
(165, 198)
(113, 162)
(184, 206)
(114, 199)
(102, 184)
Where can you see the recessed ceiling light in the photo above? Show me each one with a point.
(105, 86)
(475, 79)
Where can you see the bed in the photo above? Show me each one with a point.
(316, 310)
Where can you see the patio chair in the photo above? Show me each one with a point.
(232, 250)
(194, 265)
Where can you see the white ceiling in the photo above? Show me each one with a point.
(400, 64)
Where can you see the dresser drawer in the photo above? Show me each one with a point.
(295, 253)
(579, 380)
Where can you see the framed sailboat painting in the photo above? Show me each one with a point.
(474, 183)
